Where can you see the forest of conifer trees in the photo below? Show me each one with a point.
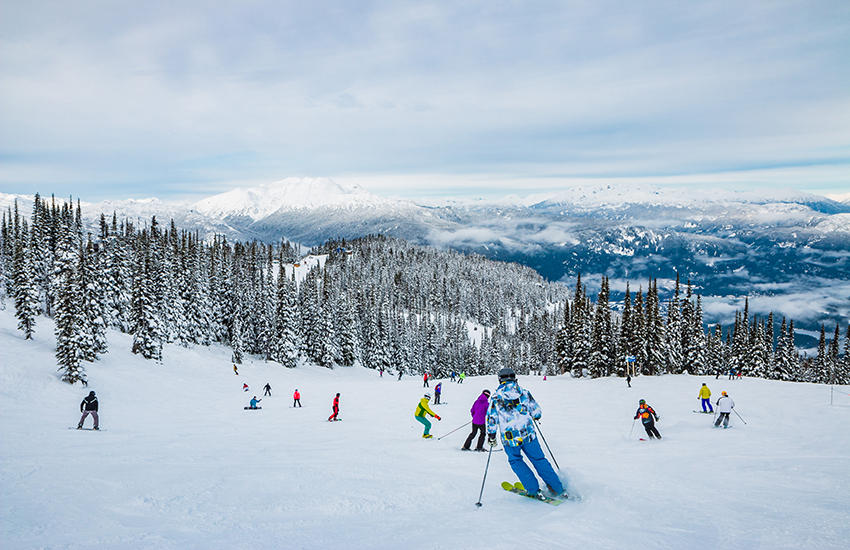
(381, 301)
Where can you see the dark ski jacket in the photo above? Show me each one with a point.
(89, 403)
(644, 412)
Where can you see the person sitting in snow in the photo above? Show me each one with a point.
(724, 407)
(421, 410)
(705, 395)
(89, 407)
(254, 402)
(513, 410)
(648, 417)
(437, 391)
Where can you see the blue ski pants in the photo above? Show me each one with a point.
(425, 422)
(535, 455)
(707, 402)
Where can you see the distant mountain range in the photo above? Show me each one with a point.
(790, 248)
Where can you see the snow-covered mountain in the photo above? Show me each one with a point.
(729, 243)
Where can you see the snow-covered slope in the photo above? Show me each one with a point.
(181, 465)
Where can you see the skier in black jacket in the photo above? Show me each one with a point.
(89, 407)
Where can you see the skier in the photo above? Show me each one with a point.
(254, 402)
(629, 380)
(89, 407)
(333, 417)
(724, 407)
(381, 373)
(268, 389)
(479, 418)
(234, 369)
(453, 375)
(649, 418)
(705, 394)
(399, 374)
(425, 378)
(297, 398)
(421, 410)
(513, 410)
(462, 376)
(244, 387)
(437, 391)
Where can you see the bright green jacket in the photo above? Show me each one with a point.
(704, 392)
(423, 408)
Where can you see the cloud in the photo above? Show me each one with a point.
(125, 93)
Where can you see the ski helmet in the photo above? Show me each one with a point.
(427, 396)
(723, 393)
(642, 401)
(486, 392)
(91, 393)
(507, 374)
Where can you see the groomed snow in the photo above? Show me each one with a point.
(181, 465)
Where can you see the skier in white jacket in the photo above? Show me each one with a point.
(724, 407)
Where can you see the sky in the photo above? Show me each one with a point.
(113, 100)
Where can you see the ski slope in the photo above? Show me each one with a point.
(181, 465)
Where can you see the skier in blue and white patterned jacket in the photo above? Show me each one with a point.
(513, 411)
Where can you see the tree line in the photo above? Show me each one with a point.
(376, 300)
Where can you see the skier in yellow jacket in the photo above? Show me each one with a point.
(421, 410)
(705, 395)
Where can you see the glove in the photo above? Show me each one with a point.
(635, 418)
(438, 417)
(491, 440)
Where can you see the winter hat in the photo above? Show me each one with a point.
(723, 393)
(427, 396)
(507, 374)
(91, 393)
(703, 383)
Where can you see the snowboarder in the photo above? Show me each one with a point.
(514, 410)
(462, 376)
(244, 387)
(425, 378)
(437, 391)
(421, 410)
(724, 407)
(89, 407)
(235, 370)
(254, 402)
(334, 416)
(649, 418)
(629, 380)
(705, 395)
(297, 398)
(479, 418)
(268, 389)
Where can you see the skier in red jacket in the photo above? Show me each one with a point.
(297, 398)
(334, 416)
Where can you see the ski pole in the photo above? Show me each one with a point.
(489, 454)
(544, 441)
(456, 429)
(633, 428)
(739, 416)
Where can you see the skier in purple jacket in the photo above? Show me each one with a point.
(479, 418)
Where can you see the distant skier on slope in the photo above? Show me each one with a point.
(421, 410)
(235, 370)
(648, 417)
(425, 379)
(335, 415)
(89, 407)
(513, 410)
(437, 391)
(244, 387)
(296, 398)
(705, 395)
(479, 418)
(460, 379)
(724, 407)
(267, 389)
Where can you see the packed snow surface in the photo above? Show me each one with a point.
(182, 465)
